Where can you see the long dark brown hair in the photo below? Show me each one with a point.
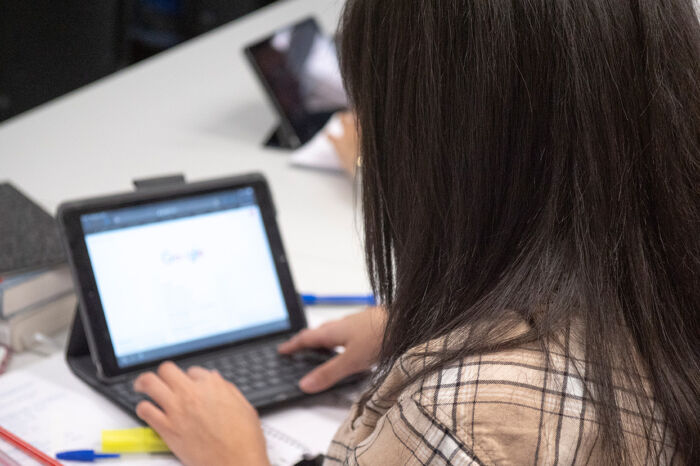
(541, 157)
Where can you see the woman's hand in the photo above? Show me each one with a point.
(204, 419)
(346, 145)
(361, 334)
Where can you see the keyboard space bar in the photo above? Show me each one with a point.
(278, 393)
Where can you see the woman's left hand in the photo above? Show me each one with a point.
(347, 145)
(204, 419)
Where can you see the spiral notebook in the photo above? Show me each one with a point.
(283, 449)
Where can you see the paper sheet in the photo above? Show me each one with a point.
(67, 416)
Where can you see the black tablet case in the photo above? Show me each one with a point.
(78, 354)
(79, 359)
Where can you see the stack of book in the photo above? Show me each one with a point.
(36, 289)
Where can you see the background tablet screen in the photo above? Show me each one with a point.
(300, 67)
(184, 275)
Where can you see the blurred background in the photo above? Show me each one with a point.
(50, 47)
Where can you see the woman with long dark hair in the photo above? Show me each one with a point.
(531, 202)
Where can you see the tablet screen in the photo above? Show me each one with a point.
(184, 275)
(299, 65)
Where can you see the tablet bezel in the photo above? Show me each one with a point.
(288, 131)
(91, 309)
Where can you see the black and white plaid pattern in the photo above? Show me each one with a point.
(503, 408)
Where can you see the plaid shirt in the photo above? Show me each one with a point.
(502, 408)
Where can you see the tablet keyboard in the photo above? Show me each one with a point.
(260, 373)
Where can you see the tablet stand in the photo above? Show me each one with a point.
(77, 341)
(276, 140)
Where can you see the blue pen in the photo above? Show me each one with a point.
(86, 456)
(347, 300)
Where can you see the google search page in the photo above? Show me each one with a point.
(186, 280)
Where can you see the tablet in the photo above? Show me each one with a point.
(173, 272)
(298, 67)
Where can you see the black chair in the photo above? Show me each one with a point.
(155, 25)
(203, 15)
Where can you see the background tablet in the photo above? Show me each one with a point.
(180, 271)
(298, 67)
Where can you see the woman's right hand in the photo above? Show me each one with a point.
(360, 334)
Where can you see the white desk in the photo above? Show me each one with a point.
(198, 110)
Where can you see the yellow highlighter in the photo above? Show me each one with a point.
(137, 440)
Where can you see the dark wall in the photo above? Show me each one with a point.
(50, 47)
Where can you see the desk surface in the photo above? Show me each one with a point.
(198, 110)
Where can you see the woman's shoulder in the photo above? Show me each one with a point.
(504, 407)
(514, 406)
